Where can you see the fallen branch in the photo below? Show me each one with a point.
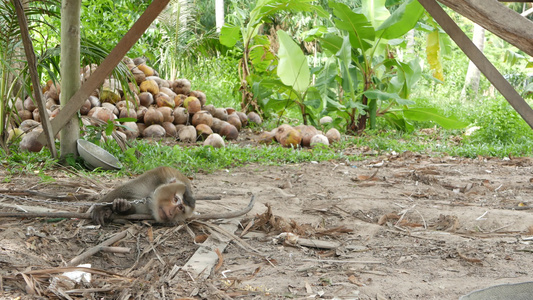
(134, 217)
(117, 237)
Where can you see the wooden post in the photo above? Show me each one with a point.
(498, 19)
(477, 57)
(48, 138)
(107, 66)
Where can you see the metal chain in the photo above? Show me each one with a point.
(75, 204)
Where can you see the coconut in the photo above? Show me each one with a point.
(154, 131)
(266, 137)
(221, 113)
(19, 104)
(243, 117)
(85, 108)
(234, 120)
(200, 95)
(230, 110)
(30, 143)
(139, 60)
(181, 115)
(182, 86)
(168, 113)
(319, 139)
(215, 140)
(217, 125)
(162, 99)
(50, 102)
(288, 136)
(110, 95)
(229, 131)
(307, 132)
(131, 130)
(187, 134)
(203, 130)
(192, 104)
(147, 70)
(141, 127)
(29, 125)
(140, 113)
(210, 108)
(146, 99)
(325, 120)
(15, 133)
(111, 107)
(94, 101)
(125, 104)
(138, 75)
(179, 99)
(24, 115)
(170, 129)
(153, 116)
(128, 113)
(202, 117)
(254, 118)
(333, 135)
(29, 105)
(150, 86)
(104, 114)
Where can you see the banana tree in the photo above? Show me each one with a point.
(245, 31)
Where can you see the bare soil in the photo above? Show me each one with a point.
(405, 226)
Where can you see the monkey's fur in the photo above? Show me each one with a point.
(168, 192)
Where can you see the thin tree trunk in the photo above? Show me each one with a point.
(70, 71)
(219, 12)
(473, 75)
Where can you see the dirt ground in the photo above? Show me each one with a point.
(396, 226)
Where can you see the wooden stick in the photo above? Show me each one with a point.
(115, 249)
(134, 217)
(117, 237)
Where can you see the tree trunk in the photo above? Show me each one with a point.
(70, 71)
(473, 74)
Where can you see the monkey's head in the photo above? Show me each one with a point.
(167, 203)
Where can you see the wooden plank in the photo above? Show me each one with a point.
(107, 66)
(205, 258)
(498, 19)
(477, 57)
(32, 67)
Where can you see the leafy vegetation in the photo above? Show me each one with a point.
(355, 62)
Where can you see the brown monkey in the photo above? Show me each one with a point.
(168, 197)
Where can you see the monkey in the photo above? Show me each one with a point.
(168, 196)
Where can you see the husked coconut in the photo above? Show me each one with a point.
(319, 139)
(203, 131)
(200, 95)
(202, 117)
(234, 120)
(111, 107)
(325, 120)
(254, 118)
(215, 140)
(229, 131)
(146, 99)
(168, 113)
(187, 134)
(221, 113)
(30, 143)
(333, 135)
(170, 129)
(153, 116)
(181, 115)
(154, 131)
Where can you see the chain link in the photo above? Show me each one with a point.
(75, 204)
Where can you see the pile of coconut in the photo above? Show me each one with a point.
(159, 108)
(301, 135)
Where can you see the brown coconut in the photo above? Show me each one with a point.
(179, 99)
(140, 113)
(254, 118)
(187, 134)
(104, 114)
(221, 113)
(192, 104)
(168, 113)
(170, 129)
(85, 108)
(141, 127)
(28, 125)
(153, 116)
(229, 131)
(182, 86)
(200, 95)
(210, 108)
(203, 131)
(111, 107)
(319, 139)
(267, 137)
(217, 125)
(243, 117)
(146, 99)
(138, 75)
(29, 105)
(181, 115)
(154, 131)
(128, 113)
(30, 143)
(307, 132)
(234, 120)
(202, 117)
(131, 130)
(162, 99)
